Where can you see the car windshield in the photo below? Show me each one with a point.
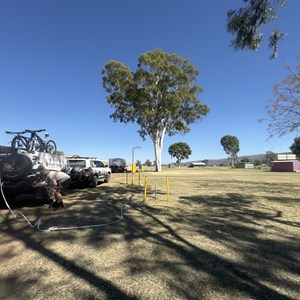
(117, 162)
(97, 164)
(77, 163)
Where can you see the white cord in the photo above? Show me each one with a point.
(5, 199)
(55, 228)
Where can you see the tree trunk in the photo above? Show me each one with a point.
(157, 151)
(158, 145)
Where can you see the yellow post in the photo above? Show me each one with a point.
(139, 178)
(133, 168)
(145, 189)
(167, 188)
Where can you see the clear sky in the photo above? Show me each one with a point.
(52, 53)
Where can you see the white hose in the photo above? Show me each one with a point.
(1, 183)
(55, 228)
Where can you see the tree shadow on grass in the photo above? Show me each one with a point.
(8, 286)
(18, 230)
(108, 288)
(171, 252)
(230, 275)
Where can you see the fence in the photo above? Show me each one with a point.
(154, 187)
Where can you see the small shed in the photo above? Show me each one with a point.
(286, 166)
(245, 165)
(197, 164)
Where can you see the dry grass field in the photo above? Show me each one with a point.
(223, 234)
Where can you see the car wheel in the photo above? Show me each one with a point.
(107, 179)
(95, 181)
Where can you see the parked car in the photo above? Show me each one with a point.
(117, 165)
(88, 170)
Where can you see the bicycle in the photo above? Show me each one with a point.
(32, 143)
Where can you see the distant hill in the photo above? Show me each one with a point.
(225, 161)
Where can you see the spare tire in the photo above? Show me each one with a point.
(15, 166)
(75, 173)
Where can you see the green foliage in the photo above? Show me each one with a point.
(245, 159)
(231, 147)
(247, 23)
(148, 163)
(295, 147)
(269, 157)
(180, 151)
(257, 162)
(161, 96)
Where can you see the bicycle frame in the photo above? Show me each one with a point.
(32, 143)
(35, 143)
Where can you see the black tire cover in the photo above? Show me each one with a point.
(75, 172)
(15, 166)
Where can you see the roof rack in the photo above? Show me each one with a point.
(78, 156)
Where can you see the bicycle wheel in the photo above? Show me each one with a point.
(19, 142)
(39, 145)
(51, 147)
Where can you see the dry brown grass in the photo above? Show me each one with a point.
(224, 234)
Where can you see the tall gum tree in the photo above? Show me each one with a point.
(231, 146)
(161, 96)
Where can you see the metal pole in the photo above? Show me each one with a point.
(136, 147)
(133, 155)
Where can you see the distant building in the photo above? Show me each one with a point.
(244, 165)
(286, 166)
(286, 162)
(197, 164)
(286, 156)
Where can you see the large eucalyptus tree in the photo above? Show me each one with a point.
(231, 146)
(160, 96)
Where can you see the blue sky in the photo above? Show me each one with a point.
(52, 53)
